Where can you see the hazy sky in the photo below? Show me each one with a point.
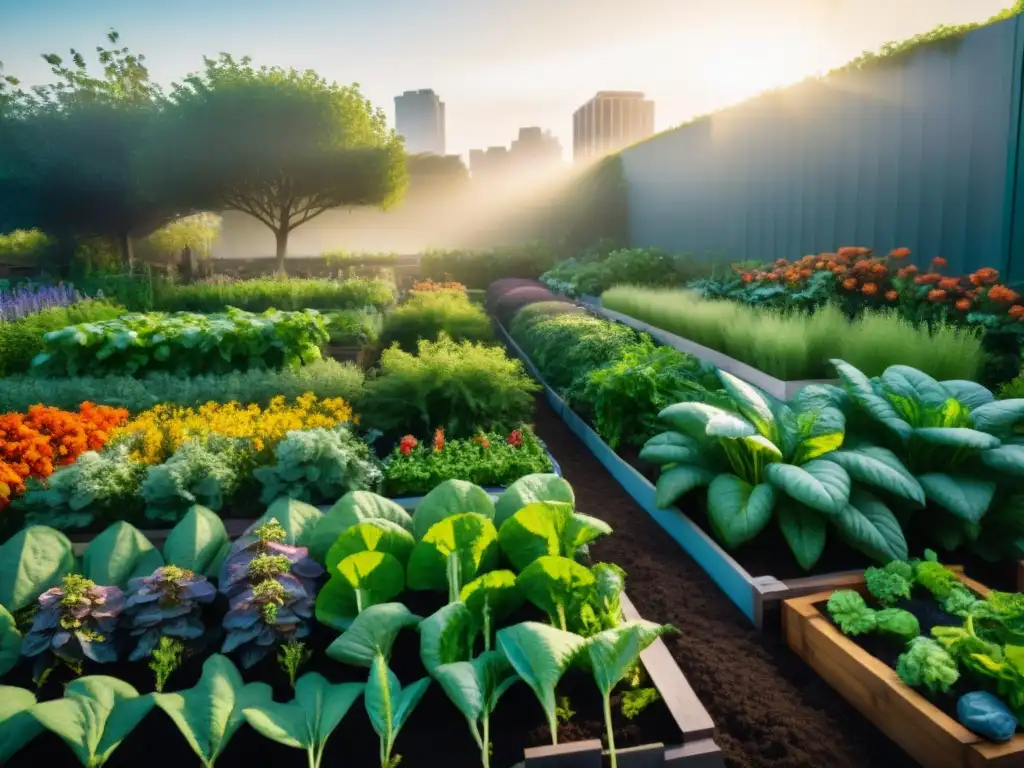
(498, 64)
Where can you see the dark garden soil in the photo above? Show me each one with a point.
(770, 709)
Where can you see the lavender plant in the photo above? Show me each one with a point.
(75, 622)
(271, 588)
(28, 299)
(168, 603)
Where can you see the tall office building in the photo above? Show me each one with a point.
(610, 121)
(419, 119)
(533, 151)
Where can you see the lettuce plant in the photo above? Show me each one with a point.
(167, 603)
(76, 621)
(362, 580)
(526, 490)
(32, 561)
(489, 598)
(271, 588)
(17, 725)
(547, 528)
(351, 509)
(452, 553)
(118, 555)
(389, 706)
(372, 632)
(926, 663)
(771, 458)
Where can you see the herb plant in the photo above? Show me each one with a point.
(166, 604)
(426, 315)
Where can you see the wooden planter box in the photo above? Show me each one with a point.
(753, 595)
(929, 735)
(779, 388)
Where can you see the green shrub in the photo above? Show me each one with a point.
(564, 346)
(596, 270)
(324, 378)
(353, 327)
(22, 340)
(478, 269)
(270, 293)
(798, 345)
(462, 388)
(427, 315)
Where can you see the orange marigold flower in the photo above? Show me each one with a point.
(963, 305)
(850, 283)
(984, 276)
(863, 264)
(927, 278)
(907, 271)
(839, 270)
(899, 253)
(1002, 293)
(781, 262)
(438, 440)
(949, 283)
(1017, 311)
(819, 265)
(805, 272)
(771, 276)
(869, 289)
(936, 294)
(939, 261)
(851, 252)
(748, 277)
(891, 295)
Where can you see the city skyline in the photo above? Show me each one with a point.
(502, 65)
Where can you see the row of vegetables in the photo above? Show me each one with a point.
(258, 596)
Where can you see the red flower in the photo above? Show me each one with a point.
(891, 295)
(438, 440)
(515, 438)
(899, 253)
(482, 441)
(407, 444)
(938, 261)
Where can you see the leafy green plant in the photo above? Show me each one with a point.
(453, 552)
(352, 327)
(198, 543)
(212, 711)
(452, 497)
(447, 636)
(926, 663)
(540, 655)
(317, 465)
(596, 271)
(95, 715)
(475, 687)
(362, 580)
(165, 658)
(22, 340)
(462, 389)
(389, 706)
(262, 294)
(489, 598)
(17, 725)
(376, 535)
(425, 316)
(184, 343)
(525, 490)
(848, 609)
(547, 528)
(205, 472)
(118, 555)
(32, 561)
(478, 269)
(351, 509)
(373, 631)
(10, 643)
(890, 583)
(309, 719)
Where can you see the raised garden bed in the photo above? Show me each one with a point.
(925, 731)
(346, 353)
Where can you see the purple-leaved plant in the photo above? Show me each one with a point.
(271, 589)
(75, 622)
(28, 299)
(167, 603)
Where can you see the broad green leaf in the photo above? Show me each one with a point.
(547, 528)
(389, 705)
(913, 384)
(738, 511)
(531, 488)
(362, 580)
(10, 642)
(691, 418)
(868, 525)
(880, 468)
(373, 631)
(371, 536)
(495, 592)
(554, 583)
(452, 497)
(351, 509)
(476, 686)
(966, 497)
(804, 529)
(94, 717)
(310, 718)
(726, 425)
(17, 725)
(298, 519)
(1008, 459)
(210, 713)
(968, 393)
(119, 554)
(452, 553)
(859, 388)
(671, 448)
(1000, 418)
(752, 405)
(676, 482)
(31, 562)
(814, 397)
(196, 541)
(819, 484)
(957, 438)
(614, 652)
(814, 447)
(447, 636)
(541, 654)
(609, 584)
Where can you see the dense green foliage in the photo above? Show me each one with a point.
(323, 378)
(798, 345)
(184, 343)
(478, 269)
(353, 327)
(285, 294)
(22, 340)
(425, 316)
(601, 267)
(460, 388)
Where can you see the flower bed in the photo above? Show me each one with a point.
(509, 625)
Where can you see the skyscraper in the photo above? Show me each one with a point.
(419, 119)
(609, 121)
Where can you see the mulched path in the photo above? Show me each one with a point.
(771, 710)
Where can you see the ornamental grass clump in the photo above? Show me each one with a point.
(75, 622)
(166, 604)
(271, 588)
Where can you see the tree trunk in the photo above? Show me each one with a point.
(188, 265)
(127, 251)
(281, 235)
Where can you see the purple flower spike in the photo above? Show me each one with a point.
(76, 621)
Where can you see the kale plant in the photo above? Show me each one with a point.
(168, 603)
(202, 472)
(271, 587)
